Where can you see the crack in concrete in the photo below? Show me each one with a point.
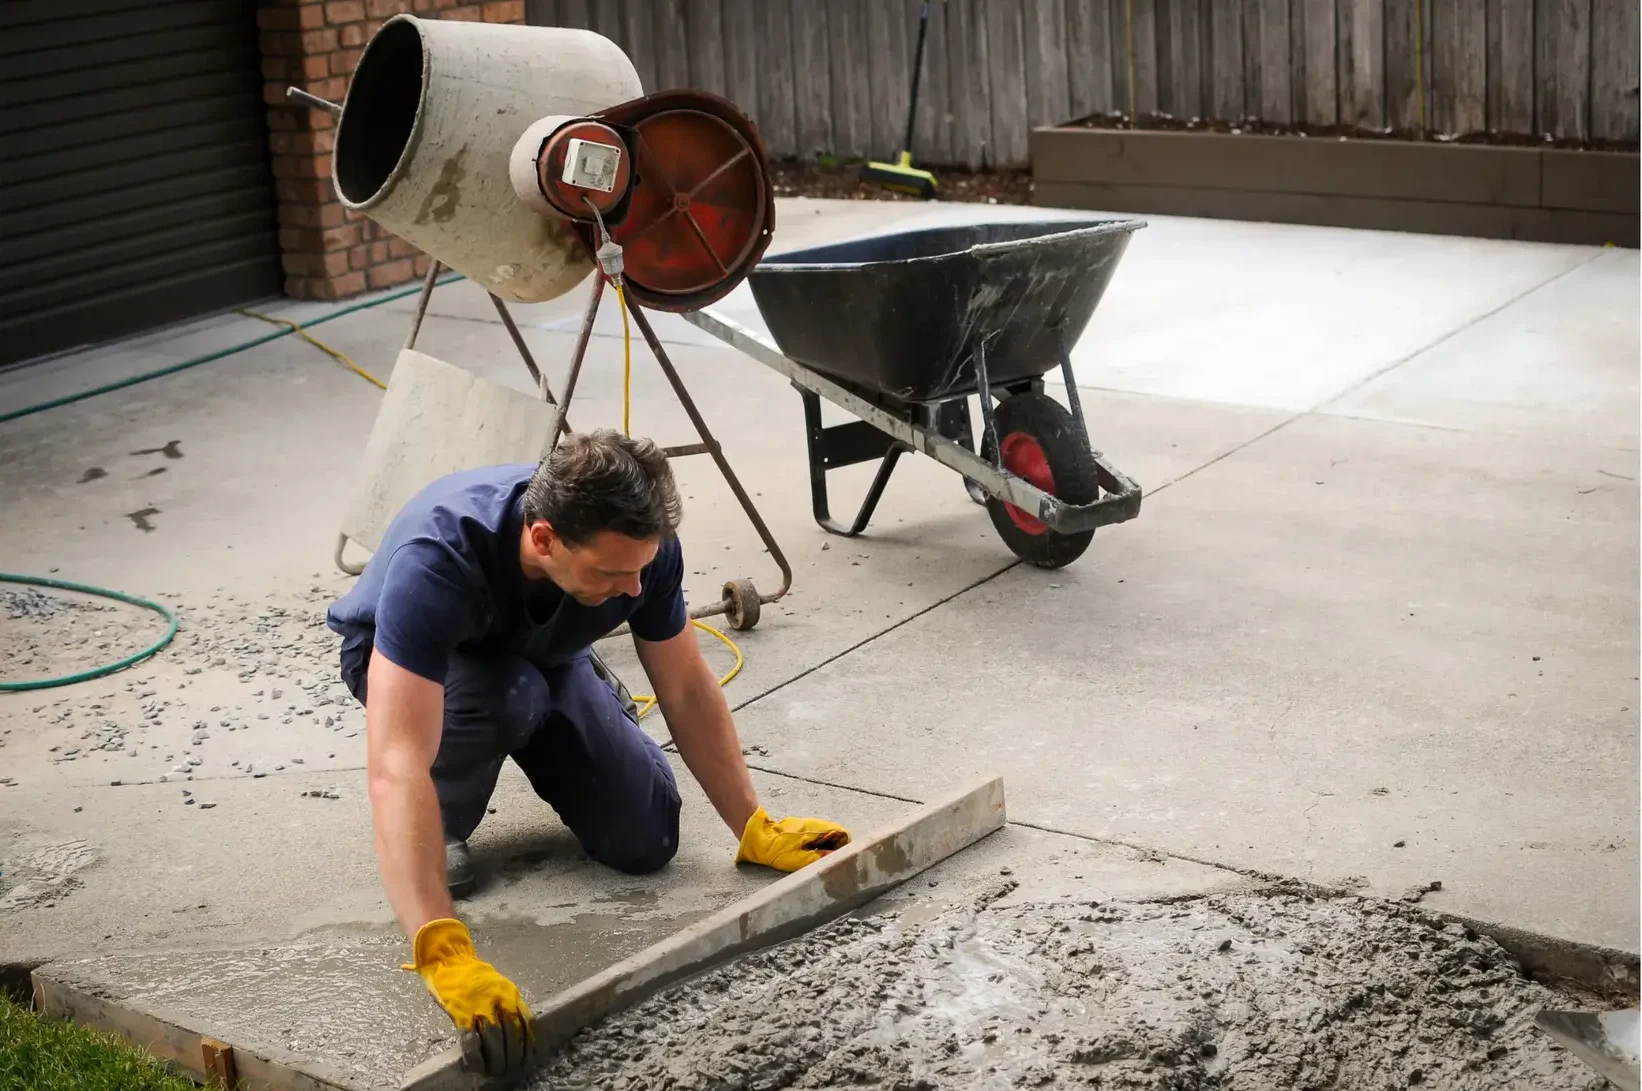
(1453, 333)
(1288, 760)
(864, 641)
(1353, 387)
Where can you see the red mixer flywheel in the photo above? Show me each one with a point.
(701, 209)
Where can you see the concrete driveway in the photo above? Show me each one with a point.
(1376, 624)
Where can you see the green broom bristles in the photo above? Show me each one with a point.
(900, 175)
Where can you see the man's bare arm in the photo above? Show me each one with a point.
(404, 715)
(702, 726)
(704, 731)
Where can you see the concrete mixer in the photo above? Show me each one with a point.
(526, 158)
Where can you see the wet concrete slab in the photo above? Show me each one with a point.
(1275, 988)
(334, 999)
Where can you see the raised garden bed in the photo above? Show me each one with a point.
(843, 180)
(1487, 187)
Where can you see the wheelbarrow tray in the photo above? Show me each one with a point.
(902, 314)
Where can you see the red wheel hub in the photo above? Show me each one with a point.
(1023, 456)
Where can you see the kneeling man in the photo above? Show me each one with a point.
(468, 640)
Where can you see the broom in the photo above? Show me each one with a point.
(901, 174)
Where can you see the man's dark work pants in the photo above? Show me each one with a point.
(571, 734)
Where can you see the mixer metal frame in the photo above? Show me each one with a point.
(741, 601)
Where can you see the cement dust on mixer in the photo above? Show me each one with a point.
(429, 126)
(497, 148)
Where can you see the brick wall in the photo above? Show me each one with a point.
(329, 252)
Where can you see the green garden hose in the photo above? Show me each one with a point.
(109, 668)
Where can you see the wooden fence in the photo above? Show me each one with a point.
(831, 76)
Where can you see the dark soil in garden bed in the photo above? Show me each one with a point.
(1256, 127)
(1002, 187)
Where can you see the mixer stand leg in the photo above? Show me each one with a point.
(736, 592)
(710, 445)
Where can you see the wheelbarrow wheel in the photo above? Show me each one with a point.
(741, 604)
(1041, 445)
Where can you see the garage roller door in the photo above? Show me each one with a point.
(135, 187)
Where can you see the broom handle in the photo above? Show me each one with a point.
(917, 70)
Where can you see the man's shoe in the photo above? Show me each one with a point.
(459, 877)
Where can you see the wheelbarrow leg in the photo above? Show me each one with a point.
(951, 421)
(1072, 399)
(713, 449)
(989, 427)
(845, 445)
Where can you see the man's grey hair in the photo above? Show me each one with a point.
(603, 480)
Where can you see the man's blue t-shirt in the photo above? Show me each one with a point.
(447, 577)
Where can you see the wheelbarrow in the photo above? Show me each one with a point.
(903, 329)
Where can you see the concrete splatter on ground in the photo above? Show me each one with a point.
(234, 666)
(29, 603)
(1239, 992)
(220, 629)
(39, 877)
(50, 633)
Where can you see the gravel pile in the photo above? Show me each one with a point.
(234, 666)
(52, 633)
(27, 602)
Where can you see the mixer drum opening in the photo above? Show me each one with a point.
(381, 110)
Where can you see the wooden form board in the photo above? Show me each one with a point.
(169, 1038)
(840, 882)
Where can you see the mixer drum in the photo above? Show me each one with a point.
(433, 112)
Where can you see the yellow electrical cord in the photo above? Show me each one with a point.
(296, 328)
(645, 701)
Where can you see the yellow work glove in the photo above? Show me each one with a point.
(789, 844)
(474, 994)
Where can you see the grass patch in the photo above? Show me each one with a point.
(39, 1054)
